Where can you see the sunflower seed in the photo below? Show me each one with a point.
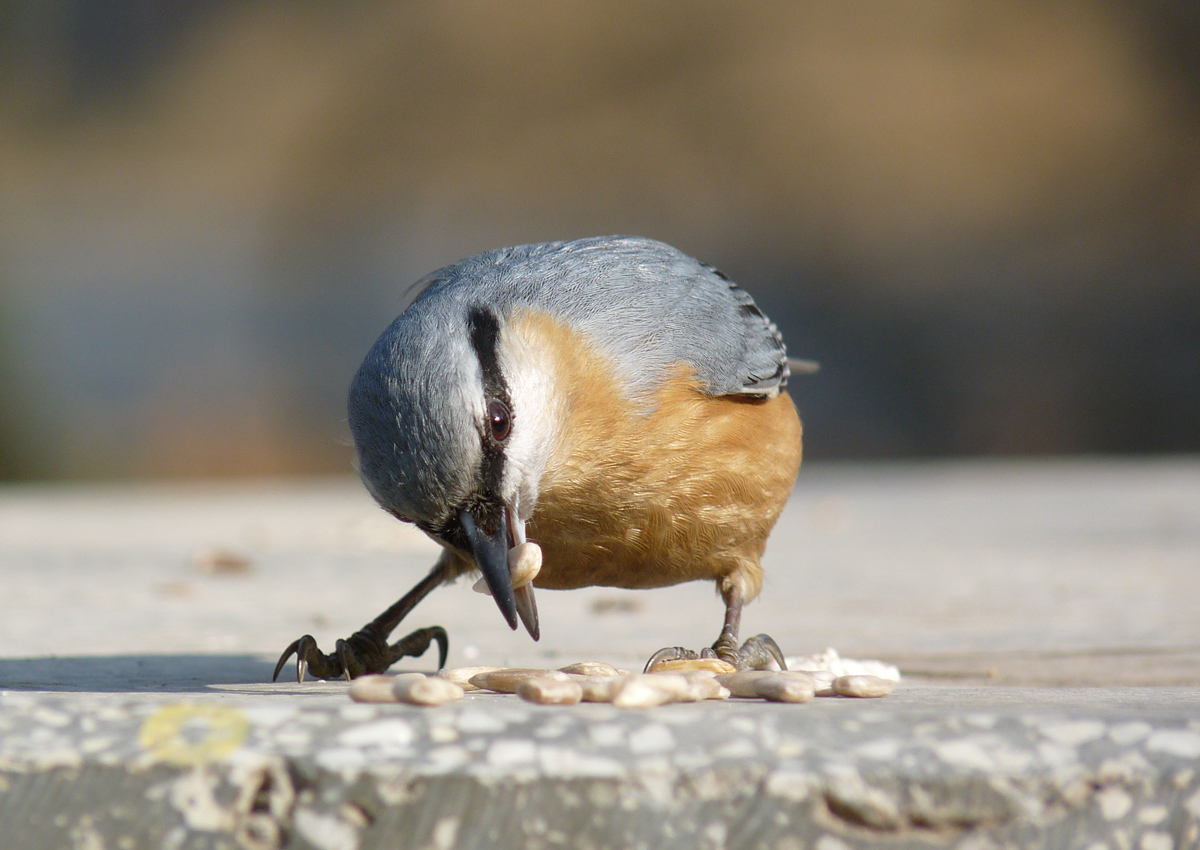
(426, 690)
(506, 679)
(862, 686)
(461, 676)
(771, 685)
(593, 668)
(703, 684)
(546, 691)
(646, 692)
(651, 689)
(823, 683)
(372, 689)
(524, 563)
(680, 665)
(600, 688)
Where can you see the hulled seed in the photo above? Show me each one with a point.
(593, 668)
(823, 683)
(771, 685)
(505, 680)
(600, 688)
(862, 686)
(704, 685)
(682, 665)
(426, 690)
(546, 691)
(376, 688)
(785, 689)
(461, 676)
(637, 692)
(651, 689)
(524, 564)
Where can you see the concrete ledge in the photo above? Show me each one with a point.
(136, 710)
(929, 766)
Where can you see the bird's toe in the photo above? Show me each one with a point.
(757, 653)
(362, 653)
(670, 653)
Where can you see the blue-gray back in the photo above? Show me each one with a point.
(643, 303)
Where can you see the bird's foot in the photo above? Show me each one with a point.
(365, 651)
(757, 653)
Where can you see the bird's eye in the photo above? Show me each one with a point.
(500, 419)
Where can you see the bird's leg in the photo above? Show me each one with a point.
(726, 646)
(367, 650)
(756, 653)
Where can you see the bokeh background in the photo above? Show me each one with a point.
(983, 218)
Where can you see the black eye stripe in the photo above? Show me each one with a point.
(485, 339)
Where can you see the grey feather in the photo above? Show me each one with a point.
(410, 412)
(417, 401)
(643, 303)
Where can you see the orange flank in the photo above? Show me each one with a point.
(652, 492)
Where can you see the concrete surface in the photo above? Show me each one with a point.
(139, 625)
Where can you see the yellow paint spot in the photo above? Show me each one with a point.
(190, 734)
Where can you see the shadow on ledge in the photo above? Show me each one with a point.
(137, 673)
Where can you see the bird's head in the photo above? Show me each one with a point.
(453, 423)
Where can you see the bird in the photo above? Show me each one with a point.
(613, 399)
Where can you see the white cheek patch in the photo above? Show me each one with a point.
(528, 371)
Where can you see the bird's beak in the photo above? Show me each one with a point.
(526, 604)
(491, 556)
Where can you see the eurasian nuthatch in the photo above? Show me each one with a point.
(615, 400)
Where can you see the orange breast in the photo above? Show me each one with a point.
(646, 495)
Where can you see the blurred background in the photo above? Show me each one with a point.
(983, 218)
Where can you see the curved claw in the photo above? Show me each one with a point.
(287, 653)
(670, 653)
(767, 642)
(443, 642)
(343, 654)
(310, 658)
(758, 652)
